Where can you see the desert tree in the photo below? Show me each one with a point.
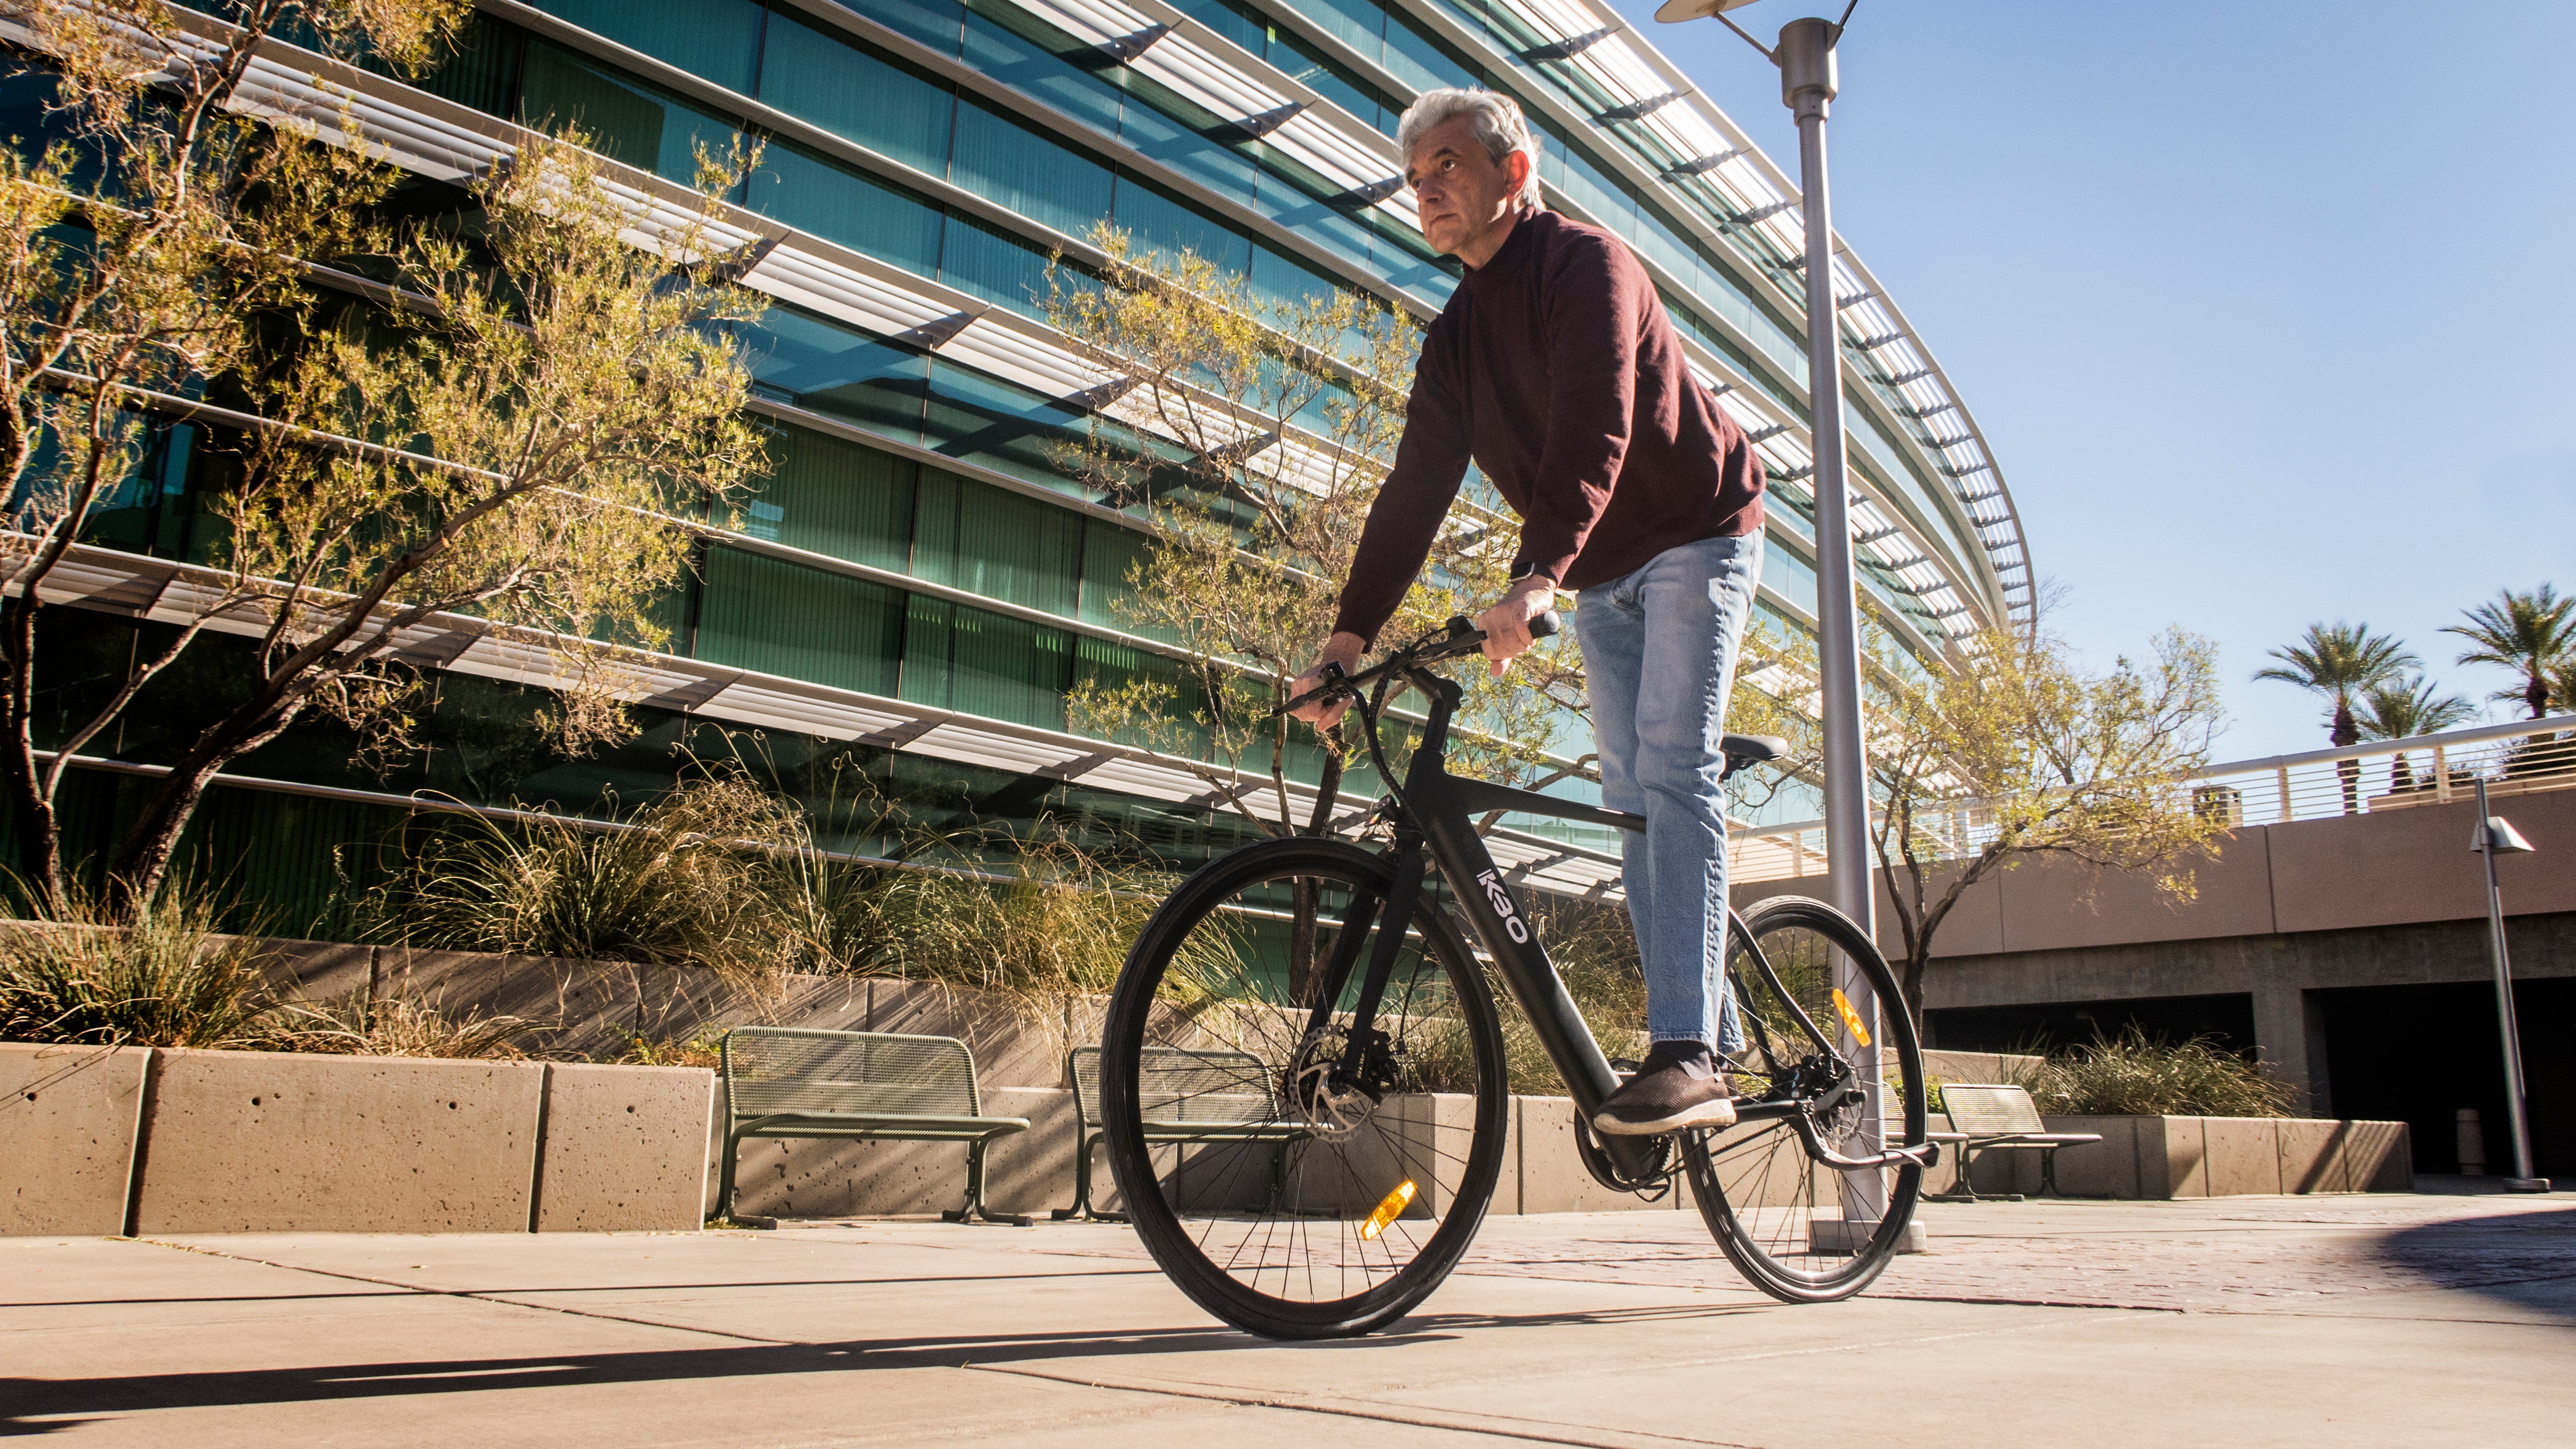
(2004, 750)
(506, 422)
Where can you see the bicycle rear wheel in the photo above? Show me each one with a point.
(1778, 1213)
(1282, 1201)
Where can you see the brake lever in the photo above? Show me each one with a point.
(1337, 681)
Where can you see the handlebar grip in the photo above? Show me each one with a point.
(1545, 625)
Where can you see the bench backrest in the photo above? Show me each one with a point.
(1180, 1084)
(769, 1069)
(1987, 1110)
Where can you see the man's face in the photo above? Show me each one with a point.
(1462, 195)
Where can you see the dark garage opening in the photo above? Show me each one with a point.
(2039, 1026)
(2418, 1054)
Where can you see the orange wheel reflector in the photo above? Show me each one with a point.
(1851, 1018)
(1386, 1210)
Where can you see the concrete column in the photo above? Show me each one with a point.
(2289, 1036)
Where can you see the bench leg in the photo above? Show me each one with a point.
(1966, 1188)
(1084, 1146)
(975, 1207)
(724, 1178)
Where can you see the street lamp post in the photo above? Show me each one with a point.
(2496, 836)
(1805, 56)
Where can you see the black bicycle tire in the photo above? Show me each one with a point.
(1130, 1165)
(1733, 1238)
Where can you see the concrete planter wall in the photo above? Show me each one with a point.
(164, 1141)
(2176, 1157)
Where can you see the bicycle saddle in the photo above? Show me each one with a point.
(1743, 750)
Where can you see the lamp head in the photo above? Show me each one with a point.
(1674, 12)
(2498, 837)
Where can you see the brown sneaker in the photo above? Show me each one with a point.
(1678, 1087)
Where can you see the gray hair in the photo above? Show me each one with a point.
(1498, 127)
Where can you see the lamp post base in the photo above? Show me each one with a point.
(2526, 1184)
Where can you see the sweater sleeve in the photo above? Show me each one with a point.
(1590, 331)
(1430, 461)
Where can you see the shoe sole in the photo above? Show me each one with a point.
(1720, 1113)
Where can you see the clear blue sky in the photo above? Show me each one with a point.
(2268, 310)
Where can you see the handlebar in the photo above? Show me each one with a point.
(1457, 639)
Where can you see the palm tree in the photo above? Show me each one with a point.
(2401, 710)
(2529, 633)
(2338, 662)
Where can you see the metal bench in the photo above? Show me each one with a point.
(1188, 1097)
(1984, 1118)
(788, 1082)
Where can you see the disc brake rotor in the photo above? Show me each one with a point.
(1333, 1113)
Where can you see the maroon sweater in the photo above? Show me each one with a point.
(1556, 370)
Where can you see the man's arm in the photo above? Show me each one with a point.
(1430, 462)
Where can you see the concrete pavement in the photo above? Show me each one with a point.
(2348, 1321)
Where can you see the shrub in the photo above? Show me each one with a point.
(167, 979)
(696, 878)
(2136, 1075)
(404, 1026)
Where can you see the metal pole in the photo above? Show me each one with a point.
(1807, 86)
(2522, 1179)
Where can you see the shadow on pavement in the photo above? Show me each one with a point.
(2526, 1259)
(31, 1400)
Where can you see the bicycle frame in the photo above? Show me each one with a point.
(1441, 806)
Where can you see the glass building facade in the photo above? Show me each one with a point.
(914, 573)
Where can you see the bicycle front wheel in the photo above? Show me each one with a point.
(1283, 1194)
(1797, 1227)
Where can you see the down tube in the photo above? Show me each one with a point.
(1492, 909)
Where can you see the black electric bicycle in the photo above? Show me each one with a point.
(1304, 1082)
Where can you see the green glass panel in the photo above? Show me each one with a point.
(481, 69)
(850, 91)
(993, 264)
(1035, 59)
(935, 23)
(718, 40)
(1001, 160)
(842, 205)
(835, 497)
(1160, 223)
(996, 543)
(628, 120)
(833, 368)
(781, 618)
(966, 659)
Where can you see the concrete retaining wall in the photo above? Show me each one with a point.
(2173, 1157)
(165, 1141)
(67, 1128)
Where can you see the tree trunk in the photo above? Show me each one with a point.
(2535, 693)
(2346, 732)
(1915, 962)
(143, 860)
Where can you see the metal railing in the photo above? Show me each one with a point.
(2513, 758)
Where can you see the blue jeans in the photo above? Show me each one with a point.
(1659, 659)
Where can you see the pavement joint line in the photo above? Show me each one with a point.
(477, 1297)
(1450, 1420)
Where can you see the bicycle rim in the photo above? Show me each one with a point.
(1279, 1202)
(1785, 1220)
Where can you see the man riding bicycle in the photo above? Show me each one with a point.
(1555, 369)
